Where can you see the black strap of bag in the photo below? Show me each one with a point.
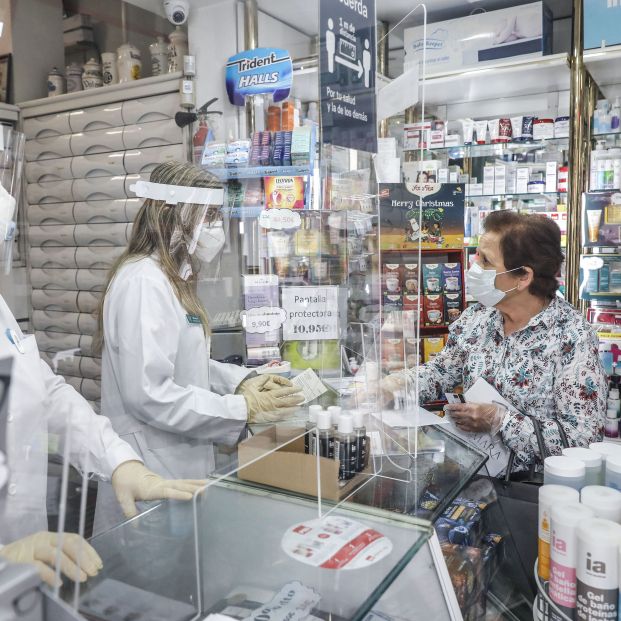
(533, 476)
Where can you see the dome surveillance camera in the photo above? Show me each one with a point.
(177, 11)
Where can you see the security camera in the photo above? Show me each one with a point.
(177, 11)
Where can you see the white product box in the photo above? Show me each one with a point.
(524, 30)
(436, 138)
(97, 257)
(500, 178)
(511, 178)
(521, 180)
(443, 175)
(98, 165)
(475, 189)
(453, 140)
(47, 126)
(488, 179)
(412, 135)
(453, 177)
(53, 213)
(551, 176)
(49, 170)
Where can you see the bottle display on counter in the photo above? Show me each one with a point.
(345, 447)
(605, 501)
(310, 439)
(361, 441)
(325, 435)
(592, 460)
(563, 470)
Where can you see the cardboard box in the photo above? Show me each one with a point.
(290, 468)
(601, 23)
(524, 31)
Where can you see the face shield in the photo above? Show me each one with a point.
(200, 231)
(11, 163)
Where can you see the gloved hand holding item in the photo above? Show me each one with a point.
(477, 416)
(132, 481)
(78, 559)
(388, 387)
(269, 398)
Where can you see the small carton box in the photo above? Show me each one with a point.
(488, 180)
(289, 467)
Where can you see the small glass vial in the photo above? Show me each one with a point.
(325, 435)
(362, 451)
(561, 470)
(310, 439)
(345, 447)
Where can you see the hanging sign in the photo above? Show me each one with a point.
(347, 66)
(262, 71)
(312, 313)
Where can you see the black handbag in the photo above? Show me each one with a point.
(518, 497)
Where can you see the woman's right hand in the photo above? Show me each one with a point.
(270, 398)
(78, 559)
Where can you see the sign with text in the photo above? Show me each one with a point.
(312, 313)
(347, 65)
(265, 70)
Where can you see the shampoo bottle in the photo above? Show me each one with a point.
(345, 447)
(310, 439)
(325, 435)
(362, 450)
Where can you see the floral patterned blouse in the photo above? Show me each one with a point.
(549, 370)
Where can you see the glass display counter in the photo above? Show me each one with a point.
(246, 552)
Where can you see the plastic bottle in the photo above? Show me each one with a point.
(601, 175)
(565, 520)
(550, 496)
(608, 175)
(310, 439)
(335, 413)
(325, 435)
(605, 501)
(614, 400)
(362, 449)
(562, 470)
(605, 449)
(611, 426)
(615, 116)
(592, 461)
(345, 447)
(597, 572)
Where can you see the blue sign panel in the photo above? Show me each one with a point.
(263, 71)
(347, 65)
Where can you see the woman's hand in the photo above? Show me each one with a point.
(477, 417)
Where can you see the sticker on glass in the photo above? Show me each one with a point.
(335, 542)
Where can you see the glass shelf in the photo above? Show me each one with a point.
(526, 196)
(533, 144)
(256, 172)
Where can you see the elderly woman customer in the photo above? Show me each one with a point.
(534, 348)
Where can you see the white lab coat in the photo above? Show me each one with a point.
(159, 387)
(41, 403)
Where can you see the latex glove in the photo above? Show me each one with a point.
(485, 417)
(270, 398)
(40, 550)
(133, 481)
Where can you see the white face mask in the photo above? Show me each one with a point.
(210, 242)
(481, 285)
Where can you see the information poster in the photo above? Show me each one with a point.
(347, 66)
(312, 313)
(442, 222)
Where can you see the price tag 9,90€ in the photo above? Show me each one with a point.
(263, 319)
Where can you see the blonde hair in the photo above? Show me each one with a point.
(156, 225)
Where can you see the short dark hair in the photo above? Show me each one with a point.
(530, 240)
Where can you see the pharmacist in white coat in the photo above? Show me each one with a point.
(41, 403)
(160, 388)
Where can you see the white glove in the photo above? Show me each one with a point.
(477, 416)
(270, 398)
(132, 481)
(78, 559)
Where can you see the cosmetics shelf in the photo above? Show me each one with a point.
(526, 196)
(256, 172)
(480, 149)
